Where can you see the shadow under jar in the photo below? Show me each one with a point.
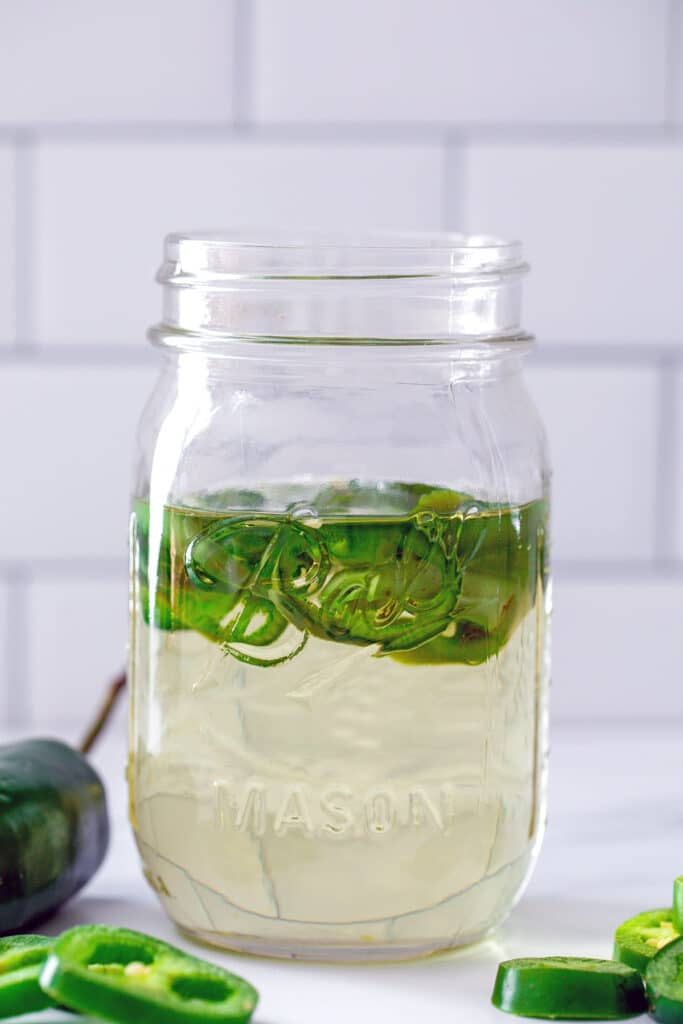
(339, 595)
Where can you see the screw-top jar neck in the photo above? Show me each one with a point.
(403, 289)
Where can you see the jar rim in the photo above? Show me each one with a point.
(383, 285)
(327, 255)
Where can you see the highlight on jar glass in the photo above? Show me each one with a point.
(339, 595)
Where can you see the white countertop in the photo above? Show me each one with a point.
(614, 843)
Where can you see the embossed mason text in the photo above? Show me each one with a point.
(258, 806)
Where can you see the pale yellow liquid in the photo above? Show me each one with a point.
(338, 805)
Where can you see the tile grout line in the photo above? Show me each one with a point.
(94, 568)
(371, 132)
(453, 200)
(17, 698)
(664, 541)
(444, 212)
(23, 228)
(58, 355)
(676, 443)
(674, 25)
(606, 353)
(242, 64)
(611, 723)
(646, 571)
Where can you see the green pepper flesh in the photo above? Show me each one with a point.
(640, 938)
(423, 575)
(664, 981)
(568, 988)
(120, 975)
(678, 904)
(21, 960)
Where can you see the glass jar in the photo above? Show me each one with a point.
(339, 595)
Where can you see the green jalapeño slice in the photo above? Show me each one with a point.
(123, 976)
(21, 961)
(664, 980)
(569, 988)
(639, 939)
(678, 904)
(421, 575)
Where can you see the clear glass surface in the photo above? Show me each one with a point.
(339, 602)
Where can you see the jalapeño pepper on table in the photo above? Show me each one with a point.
(569, 988)
(124, 976)
(639, 939)
(664, 981)
(678, 904)
(21, 960)
(54, 829)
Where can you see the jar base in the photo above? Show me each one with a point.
(331, 953)
(461, 920)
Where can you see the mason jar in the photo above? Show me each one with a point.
(339, 595)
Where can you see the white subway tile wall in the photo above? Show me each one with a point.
(675, 68)
(605, 458)
(68, 449)
(7, 663)
(7, 242)
(602, 226)
(675, 468)
(77, 62)
(559, 123)
(596, 677)
(77, 643)
(94, 268)
(452, 60)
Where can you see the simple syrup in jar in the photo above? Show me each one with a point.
(339, 598)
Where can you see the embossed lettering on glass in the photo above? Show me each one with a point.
(339, 595)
